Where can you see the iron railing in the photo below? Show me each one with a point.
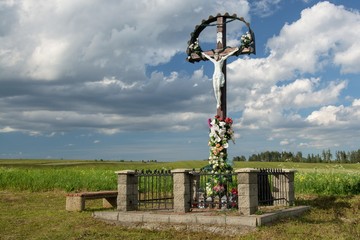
(207, 190)
(271, 186)
(155, 189)
(207, 193)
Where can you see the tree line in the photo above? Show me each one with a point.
(325, 157)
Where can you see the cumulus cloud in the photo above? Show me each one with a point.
(82, 64)
(281, 105)
(265, 8)
(278, 100)
(320, 37)
(69, 65)
(51, 40)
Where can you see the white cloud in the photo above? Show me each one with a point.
(275, 98)
(7, 129)
(95, 57)
(324, 34)
(265, 8)
(336, 116)
(46, 60)
(325, 116)
(53, 39)
(271, 109)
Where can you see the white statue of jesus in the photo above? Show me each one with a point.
(218, 76)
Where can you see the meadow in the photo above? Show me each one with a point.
(32, 200)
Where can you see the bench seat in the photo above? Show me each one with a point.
(76, 201)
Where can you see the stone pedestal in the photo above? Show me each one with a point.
(247, 190)
(289, 191)
(182, 191)
(127, 199)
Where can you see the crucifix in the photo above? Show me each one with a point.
(220, 54)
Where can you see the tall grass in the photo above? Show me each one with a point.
(323, 179)
(328, 183)
(47, 179)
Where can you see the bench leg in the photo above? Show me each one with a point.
(75, 203)
(110, 202)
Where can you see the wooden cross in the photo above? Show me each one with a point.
(222, 50)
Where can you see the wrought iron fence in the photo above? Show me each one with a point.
(211, 191)
(207, 190)
(155, 188)
(271, 186)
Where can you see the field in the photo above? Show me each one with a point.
(32, 201)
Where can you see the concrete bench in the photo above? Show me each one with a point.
(76, 201)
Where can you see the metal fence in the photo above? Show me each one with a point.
(155, 188)
(208, 191)
(271, 186)
(211, 191)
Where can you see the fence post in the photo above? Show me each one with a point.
(127, 199)
(181, 188)
(289, 192)
(247, 190)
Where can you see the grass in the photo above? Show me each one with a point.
(42, 215)
(48, 175)
(328, 183)
(32, 201)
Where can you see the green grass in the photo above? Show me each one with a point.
(42, 215)
(49, 175)
(32, 201)
(327, 183)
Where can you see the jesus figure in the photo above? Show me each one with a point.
(218, 76)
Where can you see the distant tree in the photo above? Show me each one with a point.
(242, 158)
(326, 156)
(254, 158)
(298, 157)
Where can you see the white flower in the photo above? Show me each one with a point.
(222, 132)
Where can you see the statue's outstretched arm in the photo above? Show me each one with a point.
(231, 53)
(207, 56)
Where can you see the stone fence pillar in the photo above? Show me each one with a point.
(127, 199)
(247, 190)
(181, 189)
(288, 192)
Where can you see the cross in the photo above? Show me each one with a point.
(195, 54)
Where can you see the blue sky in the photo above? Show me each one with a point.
(108, 79)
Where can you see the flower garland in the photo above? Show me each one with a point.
(220, 133)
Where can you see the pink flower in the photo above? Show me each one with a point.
(219, 188)
(209, 123)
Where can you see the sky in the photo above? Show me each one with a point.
(95, 79)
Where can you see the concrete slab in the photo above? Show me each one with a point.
(204, 218)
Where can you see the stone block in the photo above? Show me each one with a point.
(247, 210)
(247, 178)
(151, 218)
(247, 189)
(74, 203)
(221, 220)
(248, 201)
(182, 219)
